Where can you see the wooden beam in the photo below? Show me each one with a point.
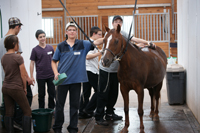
(132, 6)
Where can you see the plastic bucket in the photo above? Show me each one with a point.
(42, 119)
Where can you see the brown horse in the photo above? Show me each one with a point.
(139, 69)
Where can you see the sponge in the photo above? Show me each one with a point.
(61, 78)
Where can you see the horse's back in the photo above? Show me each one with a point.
(157, 52)
(157, 62)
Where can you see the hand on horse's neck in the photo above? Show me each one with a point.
(70, 42)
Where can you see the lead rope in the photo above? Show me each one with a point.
(78, 26)
(128, 34)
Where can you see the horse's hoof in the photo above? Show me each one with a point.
(124, 130)
(156, 118)
(142, 131)
(151, 116)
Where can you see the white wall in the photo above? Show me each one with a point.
(0, 67)
(26, 11)
(188, 12)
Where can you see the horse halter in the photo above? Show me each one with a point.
(117, 56)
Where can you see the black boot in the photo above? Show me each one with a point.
(9, 124)
(26, 125)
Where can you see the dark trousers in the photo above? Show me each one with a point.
(74, 99)
(18, 112)
(13, 95)
(42, 90)
(85, 103)
(107, 94)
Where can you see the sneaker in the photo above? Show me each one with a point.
(88, 113)
(73, 132)
(57, 131)
(102, 122)
(113, 117)
(84, 116)
(17, 126)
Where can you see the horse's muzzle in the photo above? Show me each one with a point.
(106, 62)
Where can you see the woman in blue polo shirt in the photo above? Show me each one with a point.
(71, 55)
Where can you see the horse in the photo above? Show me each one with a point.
(138, 69)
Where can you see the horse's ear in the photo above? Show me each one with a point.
(107, 29)
(118, 28)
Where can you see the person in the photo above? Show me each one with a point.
(71, 55)
(87, 106)
(41, 57)
(14, 85)
(14, 29)
(108, 82)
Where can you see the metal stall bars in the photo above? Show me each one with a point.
(154, 27)
(85, 22)
(53, 27)
(175, 26)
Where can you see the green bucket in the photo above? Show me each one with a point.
(42, 119)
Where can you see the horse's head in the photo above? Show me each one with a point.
(113, 46)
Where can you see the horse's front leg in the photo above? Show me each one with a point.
(140, 92)
(125, 94)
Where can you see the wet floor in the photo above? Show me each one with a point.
(173, 118)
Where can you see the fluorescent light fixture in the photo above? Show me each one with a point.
(52, 9)
(132, 6)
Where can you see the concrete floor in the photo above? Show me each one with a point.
(173, 118)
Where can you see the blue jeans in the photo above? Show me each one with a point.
(74, 97)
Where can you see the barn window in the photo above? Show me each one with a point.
(48, 27)
(126, 23)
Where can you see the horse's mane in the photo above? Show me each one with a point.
(131, 43)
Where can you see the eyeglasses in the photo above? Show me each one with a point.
(70, 30)
(118, 22)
